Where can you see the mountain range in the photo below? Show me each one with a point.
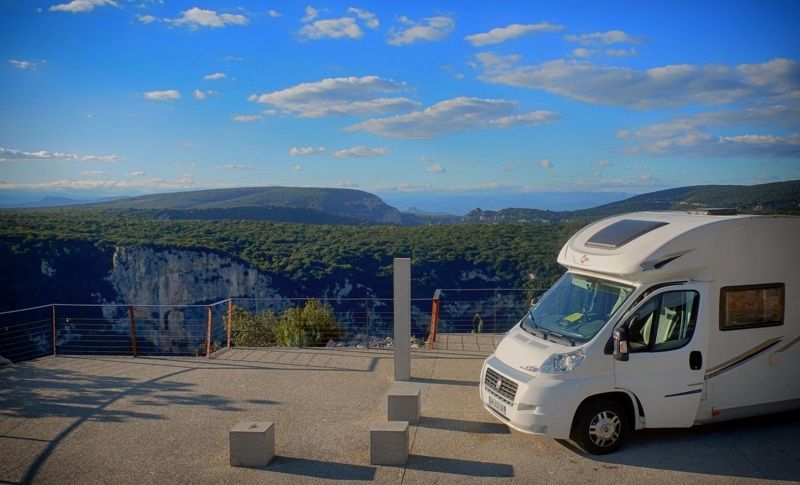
(356, 207)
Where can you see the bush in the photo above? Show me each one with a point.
(310, 326)
(254, 330)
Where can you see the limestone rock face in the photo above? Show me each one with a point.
(147, 275)
(180, 284)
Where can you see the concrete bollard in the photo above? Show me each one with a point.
(403, 403)
(252, 443)
(388, 443)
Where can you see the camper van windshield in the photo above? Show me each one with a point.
(575, 308)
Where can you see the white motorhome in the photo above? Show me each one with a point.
(663, 319)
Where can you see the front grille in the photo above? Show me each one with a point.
(508, 388)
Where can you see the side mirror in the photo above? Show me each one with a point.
(621, 344)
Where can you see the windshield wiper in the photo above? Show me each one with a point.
(543, 332)
(536, 330)
(562, 337)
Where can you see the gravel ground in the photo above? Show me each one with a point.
(166, 420)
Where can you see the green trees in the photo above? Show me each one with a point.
(253, 330)
(310, 326)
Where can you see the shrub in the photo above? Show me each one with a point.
(310, 326)
(254, 330)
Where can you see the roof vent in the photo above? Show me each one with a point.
(622, 232)
(717, 211)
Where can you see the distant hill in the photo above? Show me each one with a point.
(773, 198)
(287, 204)
(59, 201)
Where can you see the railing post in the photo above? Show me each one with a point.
(366, 312)
(434, 317)
(134, 346)
(208, 334)
(230, 321)
(53, 322)
(494, 311)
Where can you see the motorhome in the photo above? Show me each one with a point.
(662, 319)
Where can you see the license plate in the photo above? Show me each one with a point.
(495, 404)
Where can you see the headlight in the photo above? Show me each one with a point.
(562, 363)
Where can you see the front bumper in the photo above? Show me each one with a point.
(542, 406)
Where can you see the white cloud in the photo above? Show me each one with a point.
(436, 168)
(621, 52)
(424, 159)
(673, 85)
(215, 76)
(699, 144)
(273, 13)
(361, 151)
(341, 28)
(167, 95)
(693, 136)
(311, 14)
(603, 163)
(344, 96)
(502, 34)
(195, 18)
(489, 186)
(25, 64)
(369, 18)
(303, 151)
(247, 118)
(454, 115)
(431, 29)
(583, 52)
(9, 154)
(546, 164)
(199, 95)
(137, 173)
(233, 166)
(297, 167)
(146, 19)
(186, 180)
(604, 38)
(346, 184)
(451, 70)
(94, 173)
(77, 6)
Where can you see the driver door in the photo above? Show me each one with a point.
(668, 347)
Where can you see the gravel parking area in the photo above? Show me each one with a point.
(165, 420)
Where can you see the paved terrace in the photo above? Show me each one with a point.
(166, 420)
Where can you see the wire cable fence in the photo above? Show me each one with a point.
(483, 310)
(201, 329)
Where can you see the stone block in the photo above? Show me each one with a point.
(404, 403)
(252, 443)
(388, 443)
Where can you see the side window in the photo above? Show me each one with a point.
(676, 320)
(640, 325)
(665, 322)
(751, 306)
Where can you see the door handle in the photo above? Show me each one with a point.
(695, 360)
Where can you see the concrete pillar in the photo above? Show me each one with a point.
(388, 443)
(402, 319)
(252, 443)
(403, 403)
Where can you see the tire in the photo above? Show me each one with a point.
(601, 427)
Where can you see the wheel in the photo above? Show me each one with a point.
(601, 427)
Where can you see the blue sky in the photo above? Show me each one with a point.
(104, 97)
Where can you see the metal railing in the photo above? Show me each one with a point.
(201, 329)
